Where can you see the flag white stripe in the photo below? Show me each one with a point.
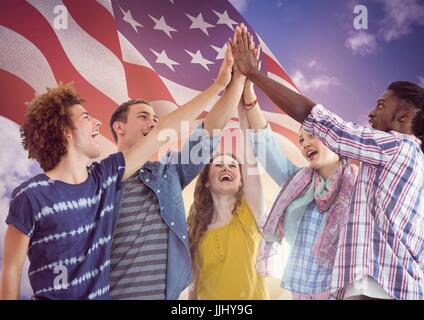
(180, 93)
(267, 50)
(107, 4)
(22, 58)
(89, 56)
(283, 120)
(130, 54)
(282, 81)
(162, 107)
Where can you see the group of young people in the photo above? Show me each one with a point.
(117, 229)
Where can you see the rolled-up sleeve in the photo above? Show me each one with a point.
(194, 155)
(350, 140)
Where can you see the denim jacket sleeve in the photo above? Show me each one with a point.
(269, 154)
(194, 155)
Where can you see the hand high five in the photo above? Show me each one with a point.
(244, 51)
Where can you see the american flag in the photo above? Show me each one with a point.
(166, 51)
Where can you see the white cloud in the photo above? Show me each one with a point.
(312, 63)
(14, 169)
(400, 17)
(362, 43)
(321, 82)
(421, 81)
(14, 165)
(240, 5)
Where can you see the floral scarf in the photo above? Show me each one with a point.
(331, 196)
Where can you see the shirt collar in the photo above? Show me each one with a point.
(407, 136)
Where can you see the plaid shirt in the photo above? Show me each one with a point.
(384, 237)
(302, 274)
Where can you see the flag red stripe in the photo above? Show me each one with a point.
(272, 66)
(289, 134)
(27, 21)
(15, 92)
(97, 21)
(143, 82)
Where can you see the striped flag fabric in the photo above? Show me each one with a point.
(113, 50)
(165, 51)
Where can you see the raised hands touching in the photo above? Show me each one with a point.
(244, 51)
(246, 58)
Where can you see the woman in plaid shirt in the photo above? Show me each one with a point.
(309, 211)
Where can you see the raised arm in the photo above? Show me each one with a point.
(217, 119)
(344, 138)
(350, 140)
(226, 106)
(15, 249)
(263, 141)
(148, 145)
(255, 116)
(252, 184)
(295, 105)
(266, 148)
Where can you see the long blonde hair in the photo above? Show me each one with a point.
(201, 211)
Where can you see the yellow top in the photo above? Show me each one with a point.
(227, 260)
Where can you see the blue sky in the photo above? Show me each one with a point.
(331, 61)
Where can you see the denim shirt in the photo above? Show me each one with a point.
(167, 178)
(270, 156)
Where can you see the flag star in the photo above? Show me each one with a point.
(198, 58)
(199, 23)
(221, 51)
(225, 19)
(163, 58)
(162, 25)
(129, 19)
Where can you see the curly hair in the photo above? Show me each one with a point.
(201, 211)
(47, 120)
(413, 95)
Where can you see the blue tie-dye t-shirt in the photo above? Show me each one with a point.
(70, 228)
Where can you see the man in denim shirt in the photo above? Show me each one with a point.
(150, 252)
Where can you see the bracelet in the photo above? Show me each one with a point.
(248, 106)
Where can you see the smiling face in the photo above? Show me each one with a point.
(84, 136)
(318, 155)
(224, 175)
(141, 120)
